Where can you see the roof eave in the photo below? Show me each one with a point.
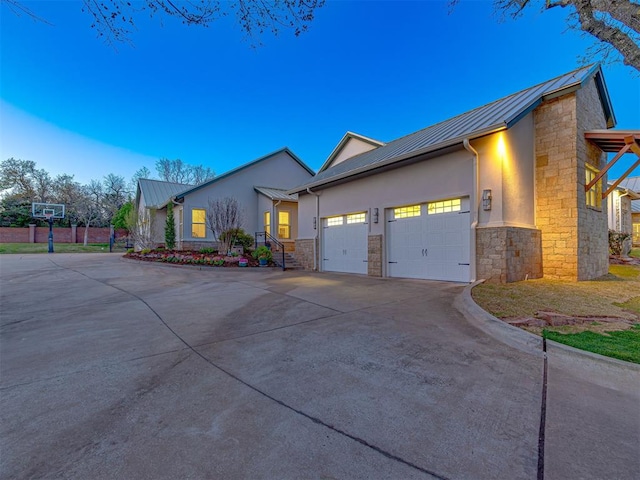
(400, 158)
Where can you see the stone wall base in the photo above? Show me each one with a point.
(304, 252)
(374, 257)
(508, 254)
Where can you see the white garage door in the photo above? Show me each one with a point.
(430, 241)
(344, 246)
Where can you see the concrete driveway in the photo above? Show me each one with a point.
(124, 370)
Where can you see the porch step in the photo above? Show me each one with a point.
(290, 262)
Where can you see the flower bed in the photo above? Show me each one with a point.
(191, 257)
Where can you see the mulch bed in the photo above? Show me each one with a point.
(192, 257)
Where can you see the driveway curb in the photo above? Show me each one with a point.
(521, 339)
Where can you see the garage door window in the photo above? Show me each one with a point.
(334, 221)
(356, 218)
(446, 206)
(407, 212)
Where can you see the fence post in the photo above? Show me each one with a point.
(32, 233)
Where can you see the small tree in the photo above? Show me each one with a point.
(141, 227)
(170, 229)
(223, 216)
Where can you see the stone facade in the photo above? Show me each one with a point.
(574, 236)
(374, 255)
(593, 233)
(508, 254)
(304, 252)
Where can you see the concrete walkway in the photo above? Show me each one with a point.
(117, 369)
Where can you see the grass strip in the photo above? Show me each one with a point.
(623, 345)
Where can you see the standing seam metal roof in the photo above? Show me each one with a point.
(498, 115)
(276, 194)
(157, 193)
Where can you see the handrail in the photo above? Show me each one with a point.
(268, 240)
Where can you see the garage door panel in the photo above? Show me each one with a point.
(345, 247)
(440, 252)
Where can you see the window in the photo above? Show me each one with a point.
(267, 222)
(334, 221)
(284, 227)
(636, 233)
(198, 229)
(356, 218)
(446, 206)
(406, 212)
(594, 194)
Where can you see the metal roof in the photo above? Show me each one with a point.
(276, 194)
(498, 115)
(632, 183)
(242, 167)
(157, 193)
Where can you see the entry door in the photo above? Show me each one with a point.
(345, 244)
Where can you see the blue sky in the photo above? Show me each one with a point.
(382, 69)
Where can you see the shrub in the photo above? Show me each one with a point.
(170, 229)
(208, 250)
(616, 242)
(263, 252)
(144, 251)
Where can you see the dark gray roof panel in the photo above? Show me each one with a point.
(497, 115)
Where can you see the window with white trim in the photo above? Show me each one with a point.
(356, 218)
(444, 206)
(267, 222)
(198, 226)
(284, 226)
(334, 221)
(406, 212)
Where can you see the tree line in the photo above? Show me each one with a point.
(99, 203)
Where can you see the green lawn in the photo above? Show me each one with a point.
(623, 345)
(616, 295)
(23, 248)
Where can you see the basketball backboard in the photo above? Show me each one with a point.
(47, 210)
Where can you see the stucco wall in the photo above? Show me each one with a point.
(279, 171)
(353, 147)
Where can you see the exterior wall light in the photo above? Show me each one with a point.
(315, 223)
(486, 199)
(375, 215)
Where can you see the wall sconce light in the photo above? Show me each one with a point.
(375, 215)
(486, 199)
(315, 221)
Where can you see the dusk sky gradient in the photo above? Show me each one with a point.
(204, 95)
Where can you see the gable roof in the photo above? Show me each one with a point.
(498, 115)
(276, 194)
(633, 184)
(157, 192)
(341, 144)
(243, 167)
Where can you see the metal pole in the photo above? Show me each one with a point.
(51, 234)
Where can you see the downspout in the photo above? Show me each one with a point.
(475, 206)
(315, 240)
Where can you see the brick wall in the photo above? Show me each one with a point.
(508, 254)
(60, 235)
(374, 255)
(304, 252)
(593, 233)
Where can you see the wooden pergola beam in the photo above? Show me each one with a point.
(606, 168)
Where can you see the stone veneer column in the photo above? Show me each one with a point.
(374, 255)
(74, 234)
(574, 236)
(304, 252)
(32, 233)
(508, 254)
